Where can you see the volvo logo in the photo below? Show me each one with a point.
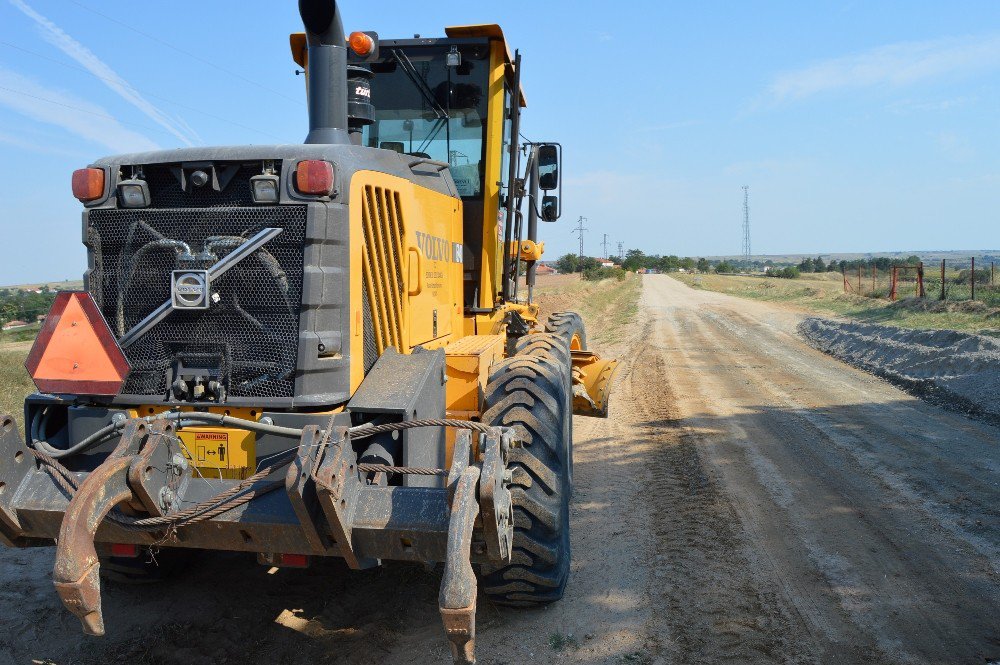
(189, 289)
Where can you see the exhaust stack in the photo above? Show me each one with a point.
(327, 71)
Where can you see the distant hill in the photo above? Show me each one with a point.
(69, 285)
(928, 256)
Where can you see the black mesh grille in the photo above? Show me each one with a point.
(250, 336)
(165, 187)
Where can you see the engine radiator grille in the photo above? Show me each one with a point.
(382, 270)
(250, 335)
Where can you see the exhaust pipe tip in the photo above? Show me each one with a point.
(322, 22)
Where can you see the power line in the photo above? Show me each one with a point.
(746, 227)
(77, 108)
(148, 94)
(581, 229)
(187, 53)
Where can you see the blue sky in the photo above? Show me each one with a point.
(859, 126)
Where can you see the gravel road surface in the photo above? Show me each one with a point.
(752, 500)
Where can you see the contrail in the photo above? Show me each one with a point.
(74, 49)
(73, 114)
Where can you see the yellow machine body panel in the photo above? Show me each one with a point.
(467, 366)
(406, 263)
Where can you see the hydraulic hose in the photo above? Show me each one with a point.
(184, 418)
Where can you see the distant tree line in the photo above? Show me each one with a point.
(24, 305)
(636, 259)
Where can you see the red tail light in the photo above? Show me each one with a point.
(314, 176)
(88, 184)
(279, 560)
(124, 550)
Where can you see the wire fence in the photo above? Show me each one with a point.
(956, 282)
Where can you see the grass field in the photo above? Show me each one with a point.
(14, 381)
(824, 293)
(609, 301)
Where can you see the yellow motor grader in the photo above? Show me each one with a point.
(333, 334)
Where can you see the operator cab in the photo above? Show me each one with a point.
(446, 100)
(430, 102)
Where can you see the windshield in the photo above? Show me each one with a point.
(425, 108)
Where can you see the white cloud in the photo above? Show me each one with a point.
(905, 106)
(895, 65)
(73, 114)
(74, 49)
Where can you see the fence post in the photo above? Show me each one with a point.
(892, 284)
(860, 292)
(973, 277)
(943, 294)
(920, 281)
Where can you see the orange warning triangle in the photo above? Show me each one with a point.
(75, 351)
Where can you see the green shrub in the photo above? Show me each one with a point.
(790, 272)
(599, 273)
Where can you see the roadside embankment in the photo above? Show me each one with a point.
(954, 369)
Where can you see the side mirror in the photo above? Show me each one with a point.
(550, 208)
(548, 167)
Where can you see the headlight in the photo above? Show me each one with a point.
(133, 194)
(265, 188)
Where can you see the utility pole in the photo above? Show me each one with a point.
(621, 251)
(605, 246)
(581, 229)
(746, 227)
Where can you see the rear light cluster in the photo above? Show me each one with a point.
(314, 177)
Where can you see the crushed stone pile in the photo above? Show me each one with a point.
(957, 370)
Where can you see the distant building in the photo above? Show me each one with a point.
(542, 269)
(12, 325)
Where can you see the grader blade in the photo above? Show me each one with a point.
(592, 383)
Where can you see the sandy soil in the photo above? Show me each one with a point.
(752, 500)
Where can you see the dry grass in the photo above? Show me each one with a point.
(824, 293)
(612, 303)
(15, 384)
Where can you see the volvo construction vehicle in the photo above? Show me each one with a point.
(320, 349)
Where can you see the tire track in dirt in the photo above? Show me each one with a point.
(715, 605)
(806, 471)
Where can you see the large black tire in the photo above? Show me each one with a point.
(145, 569)
(531, 393)
(556, 348)
(569, 326)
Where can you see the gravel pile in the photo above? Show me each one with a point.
(958, 370)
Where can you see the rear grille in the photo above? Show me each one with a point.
(382, 267)
(250, 336)
(165, 187)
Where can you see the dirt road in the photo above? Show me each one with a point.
(751, 501)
